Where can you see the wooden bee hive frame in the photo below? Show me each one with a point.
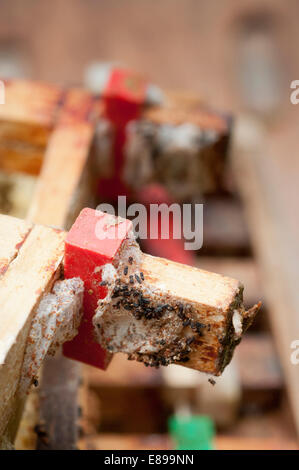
(275, 245)
(49, 130)
(31, 257)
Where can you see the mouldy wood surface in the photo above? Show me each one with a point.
(187, 167)
(213, 297)
(178, 110)
(173, 313)
(124, 373)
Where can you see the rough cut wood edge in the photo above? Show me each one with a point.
(276, 251)
(13, 233)
(214, 299)
(65, 161)
(29, 276)
(160, 312)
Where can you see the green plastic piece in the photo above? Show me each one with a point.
(194, 432)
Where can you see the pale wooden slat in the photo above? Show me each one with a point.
(21, 287)
(273, 229)
(212, 300)
(194, 285)
(211, 294)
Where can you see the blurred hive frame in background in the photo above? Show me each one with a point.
(61, 124)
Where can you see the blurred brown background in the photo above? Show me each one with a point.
(186, 44)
